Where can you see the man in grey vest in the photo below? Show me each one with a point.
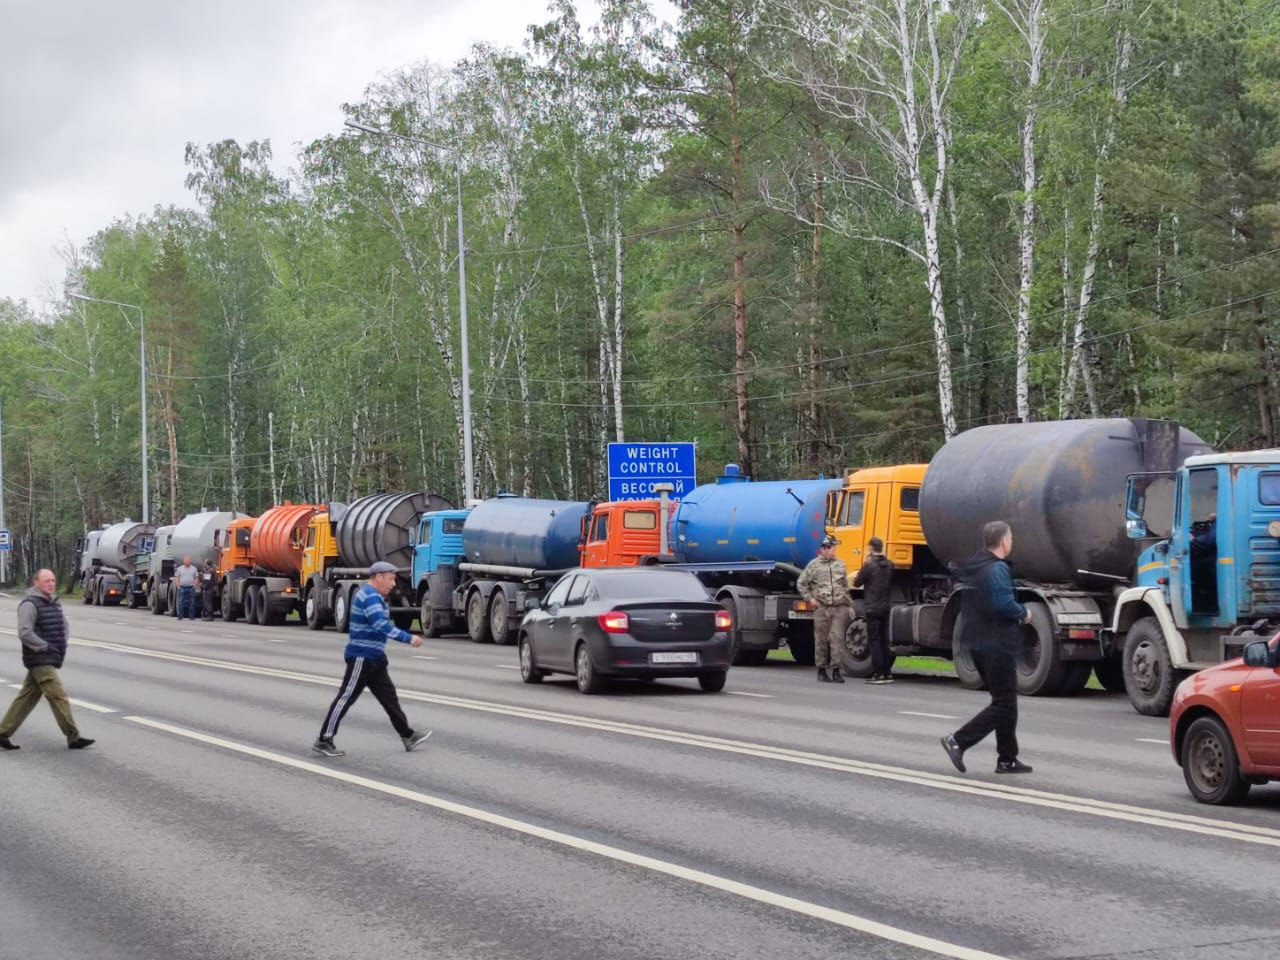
(42, 628)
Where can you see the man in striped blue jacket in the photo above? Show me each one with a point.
(366, 655)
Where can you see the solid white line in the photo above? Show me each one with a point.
(934, 716)
(96, 708)
(1163, 743)
(743, 693)
(1206, 826)
(419, 656)
(617, 854)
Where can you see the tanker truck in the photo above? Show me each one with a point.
(259, 569)
(342, 542)
(199, 536)
(108, 560)
(1062, 487)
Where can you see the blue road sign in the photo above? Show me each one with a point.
(6, 540)
(634, 468)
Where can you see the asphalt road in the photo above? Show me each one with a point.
(782, 818)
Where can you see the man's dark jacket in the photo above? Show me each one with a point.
(874, 578)
(990, 606)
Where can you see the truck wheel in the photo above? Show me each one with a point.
(713, 682)
(1041, 672)
(86, 593)
(426, 618)
(311, 610)
(342, 611)
(154, 601)
(589, 681)
(1210, 765)
(962, 658)
(1110, 673)
(857, 649)
(499, 621)
(267, 616)
(529, 671)
(171, 600)
(800, 642)
(251, 604)
(229, 609)
(1149, 677)
(477, 619)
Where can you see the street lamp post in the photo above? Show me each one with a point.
(467, 462)
(142, 380)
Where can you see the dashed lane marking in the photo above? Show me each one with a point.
(932, 716)
(1163, 743)
(95, 707)
(744, 693)
(677, 871)
(506, 666)
(1147, 816)
(419, 656)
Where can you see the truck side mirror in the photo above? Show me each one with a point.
(1136, 529)
(1258, 654)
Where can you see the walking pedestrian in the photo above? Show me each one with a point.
(991, 616)
(187, 576)
(208, 591)
(42, 628)
(825, 584)
(875, 578)
(366, 655)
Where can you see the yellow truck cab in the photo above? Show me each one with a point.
(320, 549)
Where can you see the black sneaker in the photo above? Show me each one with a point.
(1012, 766)
(886, 678)
(822, 676)
(872, 679)
(835, 676)
(79, 743)
(7, 744)
(326, 748)
(415, 740)
(955, 752)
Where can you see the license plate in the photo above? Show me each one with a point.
(675, 656)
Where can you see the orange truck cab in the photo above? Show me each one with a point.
(623, 533)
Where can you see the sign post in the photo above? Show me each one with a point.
(636, 470)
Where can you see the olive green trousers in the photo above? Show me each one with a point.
(40, 682)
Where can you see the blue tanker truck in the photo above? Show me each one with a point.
(747, 542)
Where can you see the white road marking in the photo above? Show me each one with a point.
(419, 656)
(188, 631)
(506, 666)
(743, 693)
(273, 640)
(16, 686)
(1149, 816)
(230, 636)
(1163, 743)
(688, 874)
(933, 716)
(121, 623)
(95, 707)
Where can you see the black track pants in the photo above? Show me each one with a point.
(999, 673)
(363, 672)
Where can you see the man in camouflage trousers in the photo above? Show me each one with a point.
(825, 584)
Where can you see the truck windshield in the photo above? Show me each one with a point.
(452, 525)
(1151, 498)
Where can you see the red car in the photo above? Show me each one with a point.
(1224, 726)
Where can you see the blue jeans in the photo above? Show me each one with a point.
(186, 602)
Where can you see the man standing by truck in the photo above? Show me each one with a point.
(825, 584)
(366, 657)
(186, 577)
(874, 579)
(208, 591)
(991, 617)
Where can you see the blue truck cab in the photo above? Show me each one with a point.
(436, 544)
(1210, 583)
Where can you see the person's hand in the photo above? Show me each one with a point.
(416, 642)
(1026, 618)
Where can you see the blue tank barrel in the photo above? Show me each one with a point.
(522, 532)
(736, 519)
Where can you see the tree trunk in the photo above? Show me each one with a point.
(814, 422)
(738, 230)
(171, 432)
(1027, 234)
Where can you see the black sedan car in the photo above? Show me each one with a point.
(640, 622)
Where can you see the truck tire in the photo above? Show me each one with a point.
(800, 642)
(230, 610)
(1149, 677)
(342, 610)
(478, 619)
(500, 619)
(312, 610)
(86, 593)
(857, 649)
(962, 658)
(1110, 673)
(268, 616)
(427, 617)
(155, 602)
(1210, 765)
(171, 600)
(251, 604)
(739, 657)
(1041, 671)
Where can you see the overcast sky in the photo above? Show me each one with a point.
(99, 97)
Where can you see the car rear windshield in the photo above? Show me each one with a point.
(651, 585)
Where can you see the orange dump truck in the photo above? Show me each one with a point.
(260, 567)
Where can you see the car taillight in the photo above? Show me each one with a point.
(723, 620)
(615, 621)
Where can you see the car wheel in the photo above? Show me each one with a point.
(1210, 765)
(477, 619)
(499, 622)
(1110, 673)
(1149, 677)
(713, 682)
(529, 671)
(589, 681)
(857, 649)
(962, 658)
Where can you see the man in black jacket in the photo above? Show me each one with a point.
(42, 628)
(991, 618)
(874, 579)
